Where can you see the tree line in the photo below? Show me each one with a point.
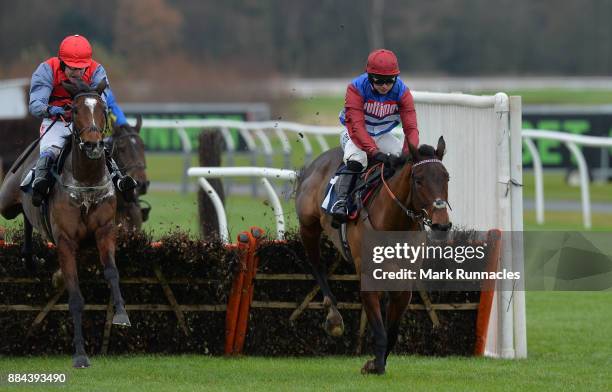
(318, 37)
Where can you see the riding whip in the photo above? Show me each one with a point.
(33, 146)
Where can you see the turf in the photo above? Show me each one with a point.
(568, 344)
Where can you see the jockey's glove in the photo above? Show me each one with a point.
(389, 160)
(55, 110)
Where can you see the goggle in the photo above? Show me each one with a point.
(74, 68)
(381, 81)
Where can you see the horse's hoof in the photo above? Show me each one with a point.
(122, 319)
(80, 362)
(334, 325)
(370, 368)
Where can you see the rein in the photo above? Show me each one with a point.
(421, 216)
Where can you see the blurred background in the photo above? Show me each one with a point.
(292, 60)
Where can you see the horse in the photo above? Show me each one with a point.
(127, 149)
(414, 197)
(81, 207)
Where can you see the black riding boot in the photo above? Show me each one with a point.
(124, 183)
(42, 179)
(344, 185)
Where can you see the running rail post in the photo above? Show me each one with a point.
(584, 183)
(506, 306)
(218, 204)
(518, 256)
(277, 207)
(538, 178)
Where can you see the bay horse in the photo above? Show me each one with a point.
(415, 196)
(81, 207)
(127, 149)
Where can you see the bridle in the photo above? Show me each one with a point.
(93, 150)
(111, 141)
(421, 217)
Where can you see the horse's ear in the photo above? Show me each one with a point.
(138, 123)
(414, 152)
(101, 86)
(441, 149)
(71, 87)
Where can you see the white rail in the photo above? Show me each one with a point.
(251, 131)
(571, 142)
(262, 172)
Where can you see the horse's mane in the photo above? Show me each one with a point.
(427, 151)
(81, 86)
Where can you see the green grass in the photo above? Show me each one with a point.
(324, 110)
(555, 188)
(568, 344)
(172, 210)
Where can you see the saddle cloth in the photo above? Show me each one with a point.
(366, 186)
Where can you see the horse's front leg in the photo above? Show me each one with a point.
(105, 240)
(66, 251)
(398, 303)
(371, 304)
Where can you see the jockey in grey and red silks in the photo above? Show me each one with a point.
(50, 101)
(376, 102)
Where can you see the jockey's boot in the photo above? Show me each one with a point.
(344, 186)
(124, 183)
(42, 179)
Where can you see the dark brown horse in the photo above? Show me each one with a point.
(127, 149)
(416, 196)
(81, 206)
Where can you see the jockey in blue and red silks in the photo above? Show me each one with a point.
(376, 102)
(50, 101)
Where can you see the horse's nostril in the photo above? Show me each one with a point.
(441, 226)
(143, 186)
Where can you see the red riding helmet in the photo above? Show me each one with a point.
(382, 62)
(75, 51)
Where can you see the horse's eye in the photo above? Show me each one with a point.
(418, 181)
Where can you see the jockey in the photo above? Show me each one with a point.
(376, 102)
(50, 101)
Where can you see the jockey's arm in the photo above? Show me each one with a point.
(409, 120)
(108, 96)
(41, 86)
(355, 121)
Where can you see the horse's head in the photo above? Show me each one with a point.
(88, 116)
(127, 149)
(429, 184)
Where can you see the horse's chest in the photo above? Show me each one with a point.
(87, 201)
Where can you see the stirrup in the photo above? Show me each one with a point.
(339, 213)
(39, 195)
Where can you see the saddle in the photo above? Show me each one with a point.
(366, 187)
